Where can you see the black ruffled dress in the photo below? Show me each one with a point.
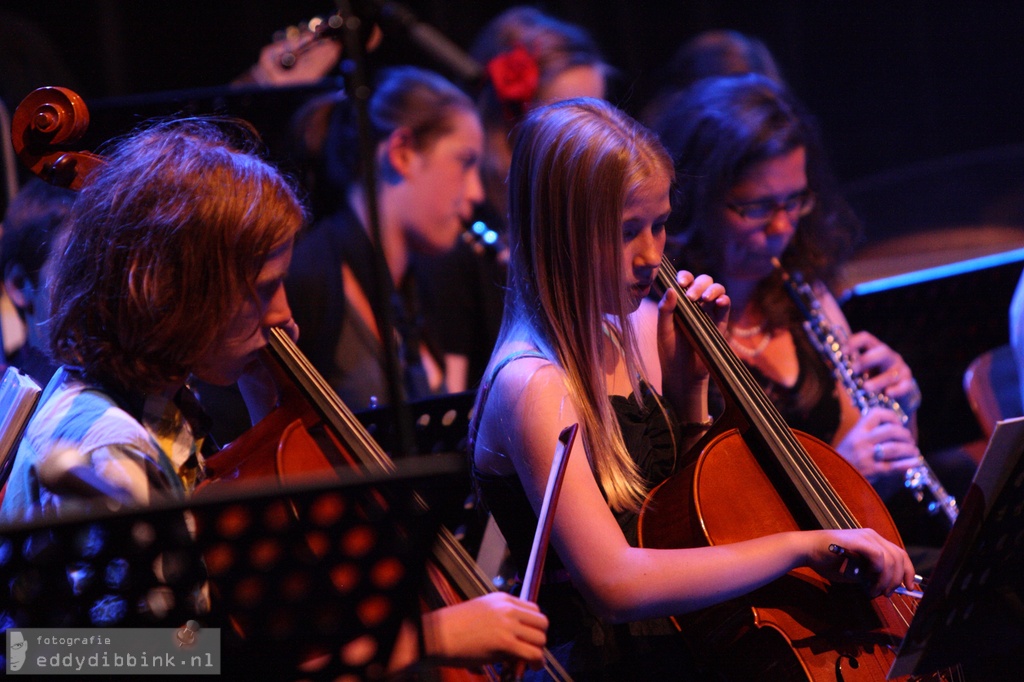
(590, 648)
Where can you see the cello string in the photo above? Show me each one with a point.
(792, 456)
(904, 607)
(759, 408)
(806, 468)
(751, 398)
(335, 409)
(456, 565)
(953, 673)
(815, 490)
(766, 419)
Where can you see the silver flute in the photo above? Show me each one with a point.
(920, 480)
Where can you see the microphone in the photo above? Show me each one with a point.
(432, 42)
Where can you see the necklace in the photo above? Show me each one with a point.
(751, 352)
(746, 332)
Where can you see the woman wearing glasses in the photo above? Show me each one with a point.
(751, 189)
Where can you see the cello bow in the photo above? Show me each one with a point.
(535, 565)
(545, 519)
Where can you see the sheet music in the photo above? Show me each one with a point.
(18, 397)
(1003, 451)
(967, 614)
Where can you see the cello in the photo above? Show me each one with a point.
(754, 476)
(44, 129)
(312, 431)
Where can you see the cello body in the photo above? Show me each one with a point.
(800, 627)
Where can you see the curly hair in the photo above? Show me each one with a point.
(716, 131)
(164, 242)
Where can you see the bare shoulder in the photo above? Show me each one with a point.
(525, 385)
(527, 402)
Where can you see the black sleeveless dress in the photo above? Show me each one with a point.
(592, 649)
(812, 404)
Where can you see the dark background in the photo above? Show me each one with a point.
(892, 82)
(920, 103)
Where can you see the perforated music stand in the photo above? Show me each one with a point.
(441, 423)
(318, 570)
(972, 613)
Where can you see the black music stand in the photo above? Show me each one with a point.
(440, 425)
(318, 569)
(972, 612)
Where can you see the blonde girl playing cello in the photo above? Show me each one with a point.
(589, 197)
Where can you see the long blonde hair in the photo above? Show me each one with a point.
(574, 166)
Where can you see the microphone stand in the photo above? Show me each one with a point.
(354, 69)
(432, 42)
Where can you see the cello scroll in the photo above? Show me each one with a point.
(45, 126)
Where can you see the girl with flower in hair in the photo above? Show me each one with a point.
(531, 58)
(579, 343)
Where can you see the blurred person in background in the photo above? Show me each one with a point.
(531, 58)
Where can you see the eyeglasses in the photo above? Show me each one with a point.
(796, 206)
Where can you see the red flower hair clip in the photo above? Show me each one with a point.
(515, 76)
